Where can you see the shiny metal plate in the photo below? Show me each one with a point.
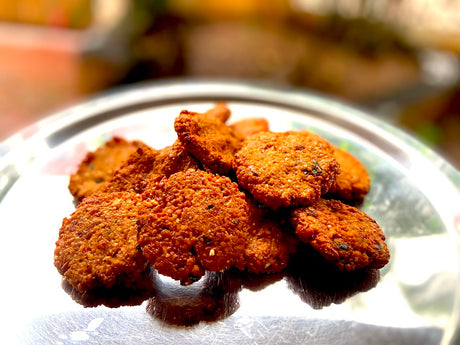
(415, 198)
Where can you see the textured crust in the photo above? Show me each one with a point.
(199, 221)
(195, 224)
(268, 247)
(173, 159)
(134, 173)
(146, 164)
(98, 166)
(142, 205)
(353, 182)
(97, 246)
(208, 139)
(247, 127)
(342, 234)
(286, 169)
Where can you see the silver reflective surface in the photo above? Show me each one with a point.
(415, 198)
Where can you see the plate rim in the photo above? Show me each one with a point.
(54, 129)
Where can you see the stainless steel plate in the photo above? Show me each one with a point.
(414, 197)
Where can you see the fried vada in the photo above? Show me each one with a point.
(196, 223)
(286, 169)
(97, 245)
(208, 139)
(342, 234)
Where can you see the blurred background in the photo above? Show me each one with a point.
(397, 58)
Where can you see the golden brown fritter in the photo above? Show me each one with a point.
(98, 166)
(196, 223)
(208, 139)
(246, 127)
(97, 246)
(342, 234)
(286, 169)
(353, 182)
(147, 163)
(172, 209)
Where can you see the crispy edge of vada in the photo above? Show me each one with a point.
(343, 234)
(220, 111)
(353, 182)
(247, 127)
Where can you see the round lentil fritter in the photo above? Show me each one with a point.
(97, 246)
(196, 223)
(342, 234)
(286, 169)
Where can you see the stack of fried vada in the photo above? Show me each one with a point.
(221, 196)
